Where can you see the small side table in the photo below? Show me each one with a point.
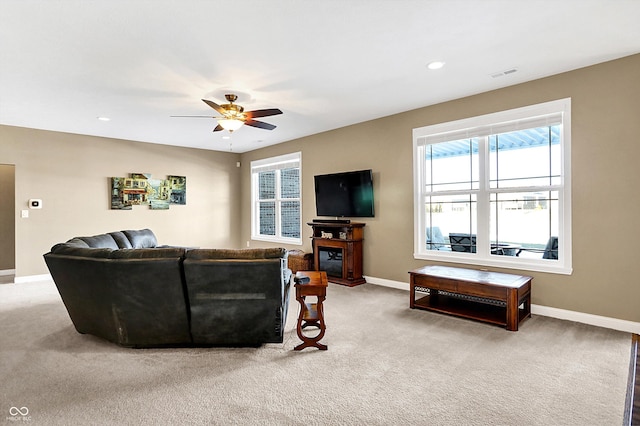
(311, 314)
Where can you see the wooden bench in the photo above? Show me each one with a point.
(492, 297)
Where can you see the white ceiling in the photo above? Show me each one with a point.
(325, 64)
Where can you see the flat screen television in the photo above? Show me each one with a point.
(347, 194)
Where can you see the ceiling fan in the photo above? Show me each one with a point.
(233, 116)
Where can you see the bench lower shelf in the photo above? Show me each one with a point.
(467, 308)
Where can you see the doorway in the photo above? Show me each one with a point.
(7, 223)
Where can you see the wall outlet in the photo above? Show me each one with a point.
(24, 213)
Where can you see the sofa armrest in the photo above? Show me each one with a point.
(287, 279)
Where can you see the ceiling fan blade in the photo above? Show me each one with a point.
(262, 113)
(215, 106)
(218, 128)
(259, 124)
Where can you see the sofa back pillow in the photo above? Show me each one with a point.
(100, 241)
(121, 239)
(144, 238)
(75, 242)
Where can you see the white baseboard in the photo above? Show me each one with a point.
(388, 283)
(4, 272)
(546, 311)
(32, 278)
(597, 320)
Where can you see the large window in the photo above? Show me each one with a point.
(275, 194)
(495, 190)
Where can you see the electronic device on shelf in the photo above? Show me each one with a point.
(302, 280)
(332, 220)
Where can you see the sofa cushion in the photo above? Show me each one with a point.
(121, 239)
(144, 238)
(256, 253)
(100, 241)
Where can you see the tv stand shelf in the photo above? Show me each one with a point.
(338, 221)
(337, 250)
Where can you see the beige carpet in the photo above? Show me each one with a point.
(386, 365)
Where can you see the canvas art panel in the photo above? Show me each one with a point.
(143, 189)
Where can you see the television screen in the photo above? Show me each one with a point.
(348, 194)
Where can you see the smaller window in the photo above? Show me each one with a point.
(276, 201)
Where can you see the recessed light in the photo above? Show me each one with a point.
(104, 119)
(436, 65)
(226, 137)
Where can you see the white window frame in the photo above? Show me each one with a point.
(487, 124)
(286, 161)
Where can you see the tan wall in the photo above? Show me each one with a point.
(7, 221)
(605, 173)
(70, 173)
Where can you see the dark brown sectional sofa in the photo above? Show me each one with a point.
(123, 287)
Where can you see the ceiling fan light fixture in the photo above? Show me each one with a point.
(233, 116)
(230, 124)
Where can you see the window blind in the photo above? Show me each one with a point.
(288, 161)
(492, 129)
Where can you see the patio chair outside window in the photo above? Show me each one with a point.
(463, 242)
(549, 252)
(435, 239)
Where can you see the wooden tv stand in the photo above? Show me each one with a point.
(337, 250)
(490, 297)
